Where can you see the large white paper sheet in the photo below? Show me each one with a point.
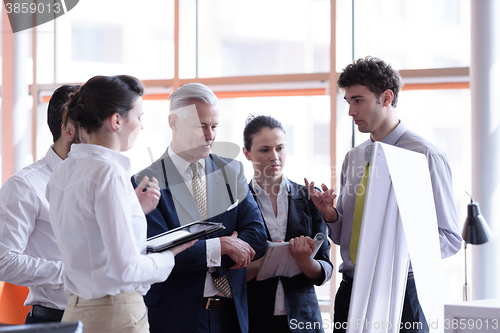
(368, 250)
(412, 183)
(399, 221)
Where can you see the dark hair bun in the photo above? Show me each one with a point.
(101, 97)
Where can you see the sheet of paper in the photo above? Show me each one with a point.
(399, 221)
(279, 262)
(412, 184)
(373, 281)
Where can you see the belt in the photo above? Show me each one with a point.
(346, 278)
(44, 312)
(216, 303)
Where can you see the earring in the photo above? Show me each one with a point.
(118, 128)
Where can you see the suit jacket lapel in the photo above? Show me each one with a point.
(255, 197)
(216, 189)
(296, 204)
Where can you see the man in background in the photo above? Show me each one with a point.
(28, 251)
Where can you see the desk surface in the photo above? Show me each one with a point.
(474, 316)
(493, 303)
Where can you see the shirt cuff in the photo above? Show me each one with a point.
(213, 252)
(338, 216)
(168, 259)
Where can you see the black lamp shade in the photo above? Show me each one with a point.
(476, 230)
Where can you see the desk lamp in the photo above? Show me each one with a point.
(476, 231)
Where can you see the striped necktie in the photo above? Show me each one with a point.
(200, 197)
(359, 206)
(199, 191)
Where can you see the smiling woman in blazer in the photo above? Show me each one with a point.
(282, 304)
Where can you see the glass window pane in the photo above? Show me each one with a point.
(409, 35)
(155, 136)
(115, 37)
(343, 37)
(261, 37)
(306, 121)
(187, 39)
(443, 117)
(43, 136)
(45, 52)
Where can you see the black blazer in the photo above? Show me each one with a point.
(300, 298)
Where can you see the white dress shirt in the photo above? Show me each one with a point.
(28, 251)
(276, 225)
(100, 227)
(213, 244)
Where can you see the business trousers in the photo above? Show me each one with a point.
(224, 320)
(121, 313)
(412, 318)
(271, 324)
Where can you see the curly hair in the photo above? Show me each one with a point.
(373, 73)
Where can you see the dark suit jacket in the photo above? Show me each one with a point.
(175, 305)
(300, 298)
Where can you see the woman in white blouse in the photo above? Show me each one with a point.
(96, 216)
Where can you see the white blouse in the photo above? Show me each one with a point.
(100, 227)
(276, 225)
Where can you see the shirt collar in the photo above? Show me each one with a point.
(285, 183)
(394, 136)
(86, 150)
(52, 158)
(182, 165)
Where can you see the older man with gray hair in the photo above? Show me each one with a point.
(206, 291)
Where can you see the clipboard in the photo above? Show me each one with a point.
(182, 234)
(279, 262)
